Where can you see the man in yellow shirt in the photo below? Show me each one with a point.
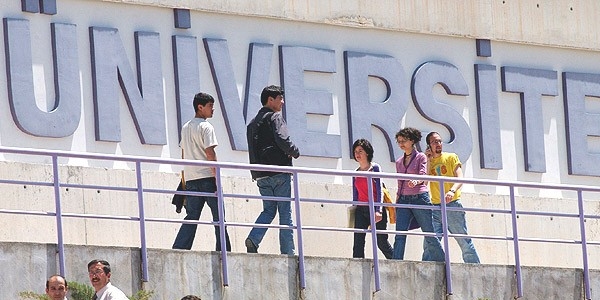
(448, 164)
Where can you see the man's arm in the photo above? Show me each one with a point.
(212, 156)
(458, 173)
(282, 138)
(457, 185)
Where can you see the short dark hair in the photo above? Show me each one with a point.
(202, 99)
(429, 136)
(59, 276)
(191, 297)
(410, 133)
(105, 265)
(270, 91)
(366, 145)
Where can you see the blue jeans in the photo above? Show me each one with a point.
(193, 209)
(277, 186)
(432, 248)
(457, 224)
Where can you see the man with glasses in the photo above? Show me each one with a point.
(99, 272)
(448, 164)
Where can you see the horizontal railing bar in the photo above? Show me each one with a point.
(301, 170)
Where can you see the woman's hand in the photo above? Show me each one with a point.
(378, 216)
(413, 183)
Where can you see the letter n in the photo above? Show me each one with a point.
(145, 100)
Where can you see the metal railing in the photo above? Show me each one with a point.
(57, 184)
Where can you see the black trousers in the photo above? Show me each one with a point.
(362, 221)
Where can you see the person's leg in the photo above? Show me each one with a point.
(432, 248)
(193, 209)
(283, 188)
(403, 216)
(457, 224)
(436, 219)
(214, 209)
(382, 238)
(361, 221)
(267, 215)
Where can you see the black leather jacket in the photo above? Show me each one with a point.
(269, 142)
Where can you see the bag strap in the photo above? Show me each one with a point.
(182, 175)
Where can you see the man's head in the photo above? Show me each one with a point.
(272, 97)
(191, 297)
(204, 105)
(56, 287)
(99, 272)
(434, 142)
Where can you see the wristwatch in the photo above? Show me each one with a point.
(453, 191)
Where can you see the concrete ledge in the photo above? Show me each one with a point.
(174, 273)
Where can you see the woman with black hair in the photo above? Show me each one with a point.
(363, 154)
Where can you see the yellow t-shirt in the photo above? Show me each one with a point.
(445, 165)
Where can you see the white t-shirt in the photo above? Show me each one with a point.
(197, 135)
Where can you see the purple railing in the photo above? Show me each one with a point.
(299, 228)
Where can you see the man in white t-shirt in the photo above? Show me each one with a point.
(198, 141)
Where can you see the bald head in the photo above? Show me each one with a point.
(56, 287)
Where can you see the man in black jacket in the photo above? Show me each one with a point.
(269, 144)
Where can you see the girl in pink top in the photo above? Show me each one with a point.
(414, 192)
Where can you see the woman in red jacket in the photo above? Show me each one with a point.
(363, 154)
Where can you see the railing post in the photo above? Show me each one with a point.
(586, 271)
(373, 233)
(140, 195)
(299, 232)
(221, 206)
(444, 216)
(59, 227)
(513, 212)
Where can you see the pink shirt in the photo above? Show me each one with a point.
(417, 164)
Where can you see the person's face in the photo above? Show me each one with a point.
(276, 104)
(206, 111)
(360, 155)
(405, 144)
(435, 142)
(98, 278)
(57, 288)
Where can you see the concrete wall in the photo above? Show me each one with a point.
(554, 23)
(264, 276)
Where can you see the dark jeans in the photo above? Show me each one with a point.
(193, 208)
(362, 221)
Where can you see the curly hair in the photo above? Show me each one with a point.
(410, 133)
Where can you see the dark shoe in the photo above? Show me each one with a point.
(250, 247)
